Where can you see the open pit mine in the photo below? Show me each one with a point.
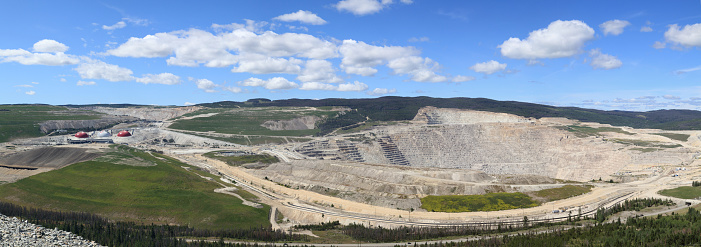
(378, 175)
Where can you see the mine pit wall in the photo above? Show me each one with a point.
(499, 143)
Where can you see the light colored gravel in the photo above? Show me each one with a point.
(15, 232)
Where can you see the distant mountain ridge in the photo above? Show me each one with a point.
(392, 108)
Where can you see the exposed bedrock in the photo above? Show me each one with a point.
(149, 113)
(383, 185)
(301, 123)
(104, 122)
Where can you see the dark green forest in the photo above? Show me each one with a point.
(405, 108)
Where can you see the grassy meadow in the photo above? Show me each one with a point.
(22, 121)
(162, 193)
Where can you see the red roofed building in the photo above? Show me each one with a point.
(81, 135)
(123, 133)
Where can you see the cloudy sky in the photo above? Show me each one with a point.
(625, 55)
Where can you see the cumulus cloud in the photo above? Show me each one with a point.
(381, 91)
(271, 84)
(488, 68)
(117, 25)
(30, 93)
(420, 69)
(62, 79)
(603, 61)
(346, 87)
(234, 89)
(688, 36)
(162, 78)
(361, 58)
(462, 78)
(646, 29)
(95, 69)
(47, 52)
(319, 71)
(614, 27)
(206, 85)
(48, 45)
(196, 47)
(189, 104)
(353, 87)
(302, 16)
(559, 39)
(85, 83)
(269, 65)
(318, 86)
(365, 7)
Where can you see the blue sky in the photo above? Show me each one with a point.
(625, 55)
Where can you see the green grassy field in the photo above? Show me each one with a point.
(247, 121)
(243, 159)
(673, 136)
(164, 193)
(22, 121)
(684, 192)
(472, 203)
(563, 192)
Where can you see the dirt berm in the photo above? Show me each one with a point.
(49, 157)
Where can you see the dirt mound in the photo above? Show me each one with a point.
(301, 123)
(49, 157)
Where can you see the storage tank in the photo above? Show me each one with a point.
(123, 133)
(103, 133)
(81, 134)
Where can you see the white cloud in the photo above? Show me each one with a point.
(48, 45)
(684, 71)
(659, 45)
(559, 39)
(690, 35)
(206, 85)
(95, 69)
(269, 66)
(420, 69)
(319, 71)
(234, 89)
(194, 47)
(117, 25)
(318, 86)
(462, 78)
(381, 91)
(365, 7)
(30, 93)
(251, 25)
(671, 97)
(614, 27)
(603, 61)
(162, 78)
(419, 39)
(360, 58)
(62, 79)
(40, 58)
(189, 104)
(646, 29)
(85, 83)
(488, 68)
(25, 85)
(271, 84)
(302, 16)
(353, 87)
(136, 21)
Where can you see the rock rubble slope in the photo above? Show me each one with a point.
(19, 233)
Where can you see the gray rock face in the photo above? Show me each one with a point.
(15, 232)
(302, 123)
(51, 125)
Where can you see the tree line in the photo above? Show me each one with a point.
(105, 232)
